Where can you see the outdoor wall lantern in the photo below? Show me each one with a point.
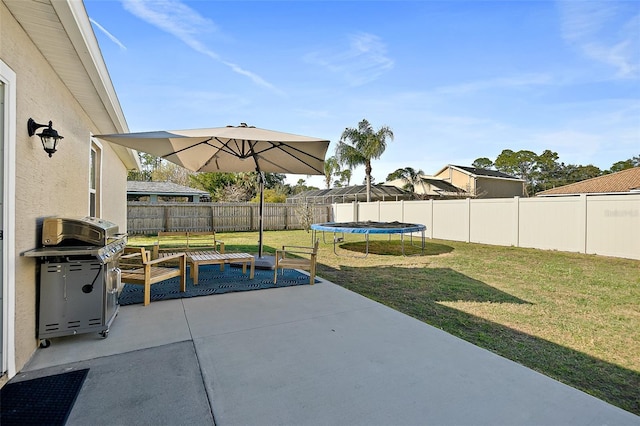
(48, 136)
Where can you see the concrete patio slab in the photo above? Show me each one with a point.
(136, 327)
(375, 366)
(306, 355)
(157, 386)
(236, 311)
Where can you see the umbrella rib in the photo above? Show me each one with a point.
(224, 147)
(188, 147)
(229, 150)
(244, 149)
(275, 145)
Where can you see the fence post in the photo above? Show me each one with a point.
(286, 217)
(468, 220)
(166, 218)
(431, 219)
(213, 216)
(516, 220)
(584, 218)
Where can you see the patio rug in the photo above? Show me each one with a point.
(213, 281)
(43, 401)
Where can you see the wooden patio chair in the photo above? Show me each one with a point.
(307, 263)
(138, 268)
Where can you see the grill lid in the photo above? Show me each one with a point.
(90, 230)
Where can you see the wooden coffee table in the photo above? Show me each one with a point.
(220, 259)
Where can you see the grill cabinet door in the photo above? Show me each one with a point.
(71, 298)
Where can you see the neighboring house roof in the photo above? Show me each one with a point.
(62, 32)
(163, 189)
(443, 186)
(620, 182)
(430, 185)
(480, 172)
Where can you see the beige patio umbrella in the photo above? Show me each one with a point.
(232, 149)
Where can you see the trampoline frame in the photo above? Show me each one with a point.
(368, 228)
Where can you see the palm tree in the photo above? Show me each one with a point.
(364, 145)
(409, 176)
(331, 167)
(345, 177)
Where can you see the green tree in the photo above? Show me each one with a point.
(522, 164)
(626, 164)
(301, 186)
(331, 168)
(170, 172)
(359, 146)
(149, 164)
(549, 173)
(345, 177)
(217, 184)
(271, 195)
(577, 173)
(410, 176)
(482, 163)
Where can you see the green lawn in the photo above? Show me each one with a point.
(572, 317)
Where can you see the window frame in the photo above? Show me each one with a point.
(95, 178)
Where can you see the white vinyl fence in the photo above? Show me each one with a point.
(607, 225)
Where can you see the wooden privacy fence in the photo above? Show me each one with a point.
(150, 218)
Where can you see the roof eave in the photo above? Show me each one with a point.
(92, 87)
(73, 16)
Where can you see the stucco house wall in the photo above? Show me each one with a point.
(49, 186)
(458, 179)
(483, 183)
(498, 188)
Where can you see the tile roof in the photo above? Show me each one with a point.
(623, 181)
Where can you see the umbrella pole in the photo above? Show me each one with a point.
(261, 210)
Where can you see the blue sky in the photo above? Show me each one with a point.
(454, 80)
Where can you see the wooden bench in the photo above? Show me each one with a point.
(195, 242)
(137, 268)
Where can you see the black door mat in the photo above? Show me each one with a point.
(43, 401)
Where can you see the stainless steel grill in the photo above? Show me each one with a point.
(79, 277)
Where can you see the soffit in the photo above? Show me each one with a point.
(61, 30)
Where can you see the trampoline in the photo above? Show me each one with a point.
(367, 228)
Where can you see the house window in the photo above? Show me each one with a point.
(95, 180)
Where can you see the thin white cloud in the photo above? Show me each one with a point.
(365, 59)
(187, 25)
(605, 31)
(108, 34)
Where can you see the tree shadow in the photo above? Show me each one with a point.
(395, 247)
(418, 292)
